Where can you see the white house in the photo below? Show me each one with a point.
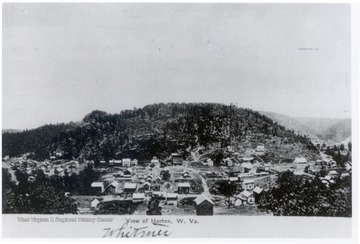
(134, 162)
(94, 203)
(260, 150)
(333, 174)
(300, 161)
(138, 197)
(126, 162)
(99, 186)
(248, 184)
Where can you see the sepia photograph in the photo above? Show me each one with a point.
(162, 115)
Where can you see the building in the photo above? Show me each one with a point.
(248, 184)
(113, 188)
(98, 187)
(134, 162)
(333, 174)
(228, 162)
(260, 150)
(129, 187)
(128, 172)
(246, 167)
(126, 162)
(176, 159)
(183, 188)
(147, 186)
(155, 160)
(59, 171)
(157, 180)
(138, 197)
(204, 206)
(209, 162)
(148, 178)
(300, 161)
(246, 197)
(94, 203)
(186, 175)
(247, 159)
(257, 194)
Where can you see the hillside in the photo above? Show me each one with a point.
(293, 124)
(159, 130)
(339, 132)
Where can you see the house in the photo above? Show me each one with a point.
(300, 161)
(183, 188)
(333, 174)
(155, 161)
(138, 197)
(134, 162)
(247, 159)
(129, 187)
(115, 162)
(59, 171)
(209, 162)
(128, 172)
(94, 203)
(233, 179)
(157, 180)
(113, 188)
(246, 167)
(246, 197)
(186, 175)
(204, 206)
(170, 196)
(176, 159)
(260, 150)
(102, 162)
(146, 186)
(98, 187)
(148, 178)
(156, 171)
(257, 193)
(119, 174)
(31, 178)
(343, 175)
(248, 184)
(126, 162)
(228, 162)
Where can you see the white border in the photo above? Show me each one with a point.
(355, 138)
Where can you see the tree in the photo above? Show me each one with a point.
(165, 175)
(342, 147)
(153, 206)
(306, 169)
(295, 196)
(227, 189)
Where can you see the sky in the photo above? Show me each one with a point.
(62, 61)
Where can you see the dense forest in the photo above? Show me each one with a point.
(294, 196)
(155, 130)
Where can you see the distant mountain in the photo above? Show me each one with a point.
(339, 132)
(320, 125)
(318, 129)
(11, 131)
(293, 124)
(159, 130)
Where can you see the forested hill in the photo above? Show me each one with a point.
(158, 129)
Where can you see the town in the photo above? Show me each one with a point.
(175, 186)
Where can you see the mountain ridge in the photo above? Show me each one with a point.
(159, 130)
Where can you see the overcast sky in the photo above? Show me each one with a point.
(61, 61)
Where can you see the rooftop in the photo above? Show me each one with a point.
(202, 198)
